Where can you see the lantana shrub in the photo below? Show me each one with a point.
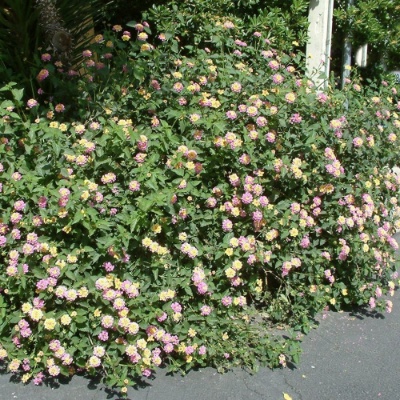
(181, 206)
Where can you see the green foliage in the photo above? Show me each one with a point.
(191, 196)
(373, 22)
(191, 19)
(19, 39)
(21, 36)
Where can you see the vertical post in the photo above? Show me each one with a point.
(347, 49)
(320, 37)
(362, 55)
(328, 40)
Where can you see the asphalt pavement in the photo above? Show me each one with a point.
(349, 356)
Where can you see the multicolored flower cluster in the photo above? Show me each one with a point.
(154, 229)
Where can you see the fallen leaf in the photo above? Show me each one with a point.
(286, 397)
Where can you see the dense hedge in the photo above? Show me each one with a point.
(178, 207)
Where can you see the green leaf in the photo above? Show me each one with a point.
(77, 217)
(71, 275)
(131, 24)
(17, 93)
(145, 204)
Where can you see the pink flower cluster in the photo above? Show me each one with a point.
(198, 278)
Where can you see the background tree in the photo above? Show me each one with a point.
(376, 22)
(27, 25)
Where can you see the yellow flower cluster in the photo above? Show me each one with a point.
(295, 168)
(167, 295)
(154, 247)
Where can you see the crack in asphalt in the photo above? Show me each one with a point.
(248, 387)
(300, 397)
